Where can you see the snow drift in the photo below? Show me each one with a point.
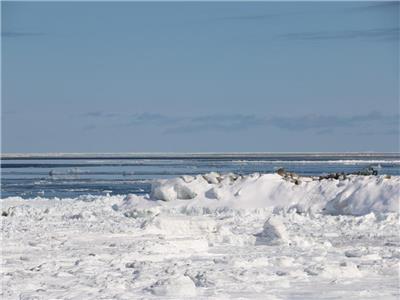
(355, 195)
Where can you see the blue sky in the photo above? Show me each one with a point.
(193, 77)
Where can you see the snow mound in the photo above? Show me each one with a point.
(274, 232)
(356, 195)
(366, 195)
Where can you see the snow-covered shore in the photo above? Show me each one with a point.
(208, 236)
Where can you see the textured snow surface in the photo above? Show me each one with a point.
(210, 237)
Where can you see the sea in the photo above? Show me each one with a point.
(72, 175)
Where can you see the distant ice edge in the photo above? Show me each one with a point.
(356, 195)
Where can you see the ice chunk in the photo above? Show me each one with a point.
(163, 192)
(184, 192)
(274, 232)
(212, 178)
(177, 286)
(171, 190)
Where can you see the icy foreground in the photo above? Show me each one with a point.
(209, 236)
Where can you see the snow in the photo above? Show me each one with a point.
(356, 195)
(177, 285)
(274, 232)
(209, 236)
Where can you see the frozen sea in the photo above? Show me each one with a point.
(73, 175)
(164, 226)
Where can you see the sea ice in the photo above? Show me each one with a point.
(210, 236)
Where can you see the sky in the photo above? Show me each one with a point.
(200, 77)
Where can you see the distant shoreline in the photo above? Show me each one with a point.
(204, 155)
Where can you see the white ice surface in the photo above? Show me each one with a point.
(217, 237)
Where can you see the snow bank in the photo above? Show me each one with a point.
(356, 195)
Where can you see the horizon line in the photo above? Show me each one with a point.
(172, 155)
